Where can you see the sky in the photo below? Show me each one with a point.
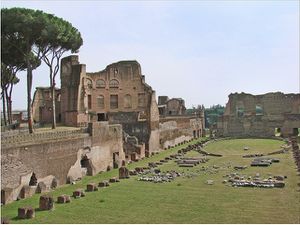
(200, 51)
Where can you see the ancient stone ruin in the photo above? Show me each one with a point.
(260, 115)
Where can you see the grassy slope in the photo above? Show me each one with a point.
(185, 200)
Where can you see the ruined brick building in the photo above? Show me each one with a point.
(175, 122)
(118, 94)
(119, 119)
(174, 106)
(42, 105)
(260, 115)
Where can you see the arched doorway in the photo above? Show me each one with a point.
(86, 163)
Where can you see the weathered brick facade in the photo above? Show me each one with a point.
(260, 115)
(63, 156)
(42, 105)
(117, 94)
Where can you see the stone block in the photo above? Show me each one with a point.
(46, 202)
(78, 193)
(279, 184)
(91, 187)
(280, 178)
(27, 191)
(132, 172)
(6, 195)
(61, 199)
(103, 184)
(26, 212)
(123, 173)
(22, 213)
(64, 199)
(30, 213)
(139, 169)
(113, 180)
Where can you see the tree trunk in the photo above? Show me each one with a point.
(52, 90)
(29, 85)
(53, 105)
(4, 108)
(10, 102)
(7, 106)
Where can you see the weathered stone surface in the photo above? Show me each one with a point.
(91, 187)
(255, 115)
(104, 183)
(46, 202)
(113, 180)
(63, 199)
(22, 213)
(78, 193)
(139, 169)
(132, 172)
(279, 184)
(41, 188)
(279, 177)
(123, 172)
(27, 191)
(26, 212)
(30, 213)
(6, 195)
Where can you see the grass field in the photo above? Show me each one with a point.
(185, 200)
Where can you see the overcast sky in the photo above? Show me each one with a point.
(200, 51)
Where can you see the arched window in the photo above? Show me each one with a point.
(127, 101)
(89, 83)
(113, 83)
(100, 101)
(100, 83)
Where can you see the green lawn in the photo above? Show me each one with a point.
(185, 200)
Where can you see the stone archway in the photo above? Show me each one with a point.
(85, 162)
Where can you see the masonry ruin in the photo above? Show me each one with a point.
(174, 122)
(42, 105)
(114, 117)
(260, 115)
(119, 94)
(35, 163)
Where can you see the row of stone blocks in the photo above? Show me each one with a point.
(181, 143)
(296, 152)
(47, 202)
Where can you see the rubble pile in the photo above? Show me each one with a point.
(156, 176)
(237, 180)
(264, 161)
(190, 162)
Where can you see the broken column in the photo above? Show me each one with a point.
(123, 171)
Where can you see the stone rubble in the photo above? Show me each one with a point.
(238, 180)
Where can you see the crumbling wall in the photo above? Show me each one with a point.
(153, 143)
(171, 135)
(60, 158)
(259, 115)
